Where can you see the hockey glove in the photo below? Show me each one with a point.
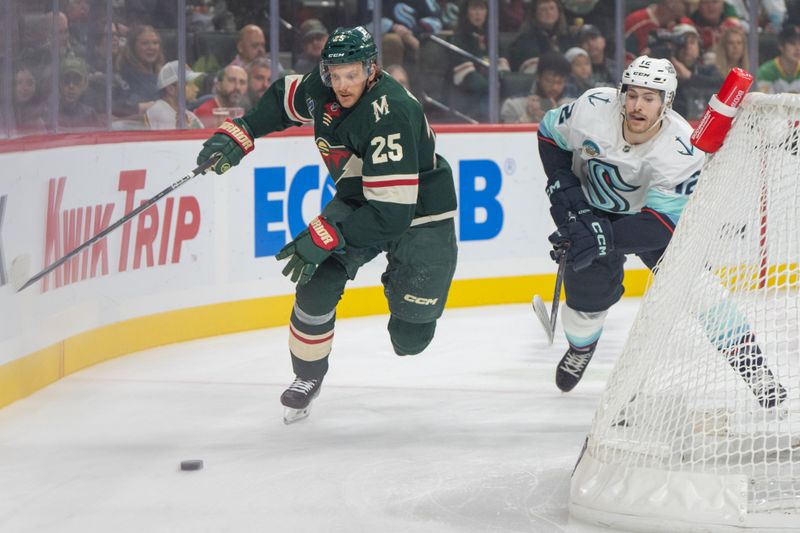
(311, 247)
(566, 196)
(233, 140)
(589, 237)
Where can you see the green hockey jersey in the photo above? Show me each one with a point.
(380, 153)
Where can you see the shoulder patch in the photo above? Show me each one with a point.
(597, 97)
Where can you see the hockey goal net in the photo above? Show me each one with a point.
(699, 426)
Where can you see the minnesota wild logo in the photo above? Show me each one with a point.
(335, 157)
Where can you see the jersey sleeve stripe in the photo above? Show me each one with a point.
(548, 140)
(396, 189)
(292, 82)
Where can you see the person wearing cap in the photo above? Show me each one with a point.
(591, 39)
(163, 114)
(698, 81)
(547, 92)
(230, 89)
(74, 80)
(782, 74)
(313, 35)
(580, 77)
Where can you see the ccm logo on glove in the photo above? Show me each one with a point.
(601, 238)
(323, 234)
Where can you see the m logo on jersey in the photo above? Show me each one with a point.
(605, 184)
(335, 157)
(332, 111)
(380, 107)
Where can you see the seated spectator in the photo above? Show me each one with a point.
(259, 78)
(404, 22)
(313, 35)
(545, 29)
(548, 91)
(512, 15)
(782, 74)
(140, 62)
(580, 78)
(250, 45)
(731, 50)
(696, 81)
(603, 73)
(163, 115)
(73, 114)
(229, 90)
(470, 84)
(28, 114)
(709, 18)
(642, 25)
(399, 73)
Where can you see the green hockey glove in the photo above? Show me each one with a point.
(233, 140)
(311, 247)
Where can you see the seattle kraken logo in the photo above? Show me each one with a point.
(605, 184)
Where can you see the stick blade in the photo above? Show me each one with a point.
(544, 317)
(20, 267)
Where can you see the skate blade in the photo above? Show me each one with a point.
(544, 317)
(290, 416)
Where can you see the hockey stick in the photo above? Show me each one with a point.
(201, 169)
(549, 322)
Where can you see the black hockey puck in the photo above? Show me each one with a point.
(192, 464)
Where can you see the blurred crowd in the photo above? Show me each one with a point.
(72, 72)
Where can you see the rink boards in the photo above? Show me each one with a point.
(201, 261)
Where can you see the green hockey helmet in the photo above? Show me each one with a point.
(347, 45)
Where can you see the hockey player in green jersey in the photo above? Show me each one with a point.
(394, 195)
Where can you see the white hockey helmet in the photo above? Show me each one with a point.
(651, 73)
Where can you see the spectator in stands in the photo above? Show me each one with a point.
(399, 73)
(643, 25)
(230, 88)
(98, 47)
(545, 29)
(79, 14)
(28, 114)
(580, 79)
(250, 45)
(731, 50)
(782, 74)
(163, 115)
(140, 61)
(696, 81)
(512, 15)
(73, 114)
(313, 35)
(259, 78)
(404, 22)
(709, 19)
(547, 92)
(470, 84)
(603, 73)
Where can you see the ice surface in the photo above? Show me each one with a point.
(470, 436)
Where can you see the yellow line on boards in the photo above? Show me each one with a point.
(24, 376)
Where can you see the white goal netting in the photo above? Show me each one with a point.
(699, 426)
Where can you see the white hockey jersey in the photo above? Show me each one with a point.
(619, 177)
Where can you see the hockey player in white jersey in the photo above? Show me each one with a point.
(620, 168)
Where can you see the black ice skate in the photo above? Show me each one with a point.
(747, 360)
(570, 368)
(297, 399)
